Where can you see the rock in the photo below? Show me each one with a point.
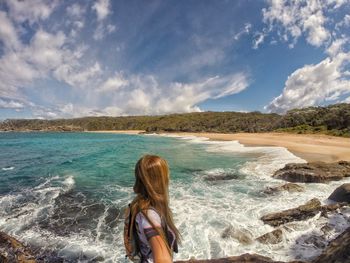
(341, 194)
(290, 187)
(308, 210)
(245, 258)
(338, 250)
(317, 172)
(326, 229)
(221, 177)
(316, 241)
(273, 237)
(243, 237)
(11, 250)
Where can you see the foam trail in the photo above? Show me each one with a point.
(8, 168)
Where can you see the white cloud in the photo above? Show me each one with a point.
(145, 95)
(31, 11)
(314, 84)
(8, 34)
(45, 56)
(114, 83)
(336, 47)
(258, 40)
(292, 19)
(75, 10)
(345, 22)
(246, 30)
(10, 104)
(102, 8)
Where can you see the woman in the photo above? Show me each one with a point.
(150, 216)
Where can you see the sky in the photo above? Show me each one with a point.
(67, 59)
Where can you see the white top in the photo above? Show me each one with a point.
(145, 231)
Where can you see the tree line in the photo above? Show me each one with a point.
(332, 119)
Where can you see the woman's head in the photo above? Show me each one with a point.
(152, 188)
(152, 179)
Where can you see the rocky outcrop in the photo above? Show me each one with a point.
(11, 250)
(273, 237)
(308, 210)
(317, 172)
(245, 258)
(241, 236)
(341, 194)
(289, 187)
(338, 250)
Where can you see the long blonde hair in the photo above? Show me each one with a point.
(152, 189)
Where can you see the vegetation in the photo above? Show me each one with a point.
(333, 120)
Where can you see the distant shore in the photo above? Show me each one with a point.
(120, 131)
(310, 147)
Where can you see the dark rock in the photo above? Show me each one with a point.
(223, 177)
(290, 187)
(341, 194)
(338, 250)
(273, 237)
(326, 228)
(243, 237)
(310, 209)
(11, 250)
(317, 172)
(245, 258)
(316, 241)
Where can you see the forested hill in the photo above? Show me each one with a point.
(333, 119)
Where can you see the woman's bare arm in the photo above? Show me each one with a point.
(159, 250)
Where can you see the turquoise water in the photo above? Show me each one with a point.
(64, 194)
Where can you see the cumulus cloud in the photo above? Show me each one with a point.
(314, 84)
(292, 19)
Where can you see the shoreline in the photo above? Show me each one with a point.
(310, 147)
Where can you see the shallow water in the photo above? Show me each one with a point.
(64, 193)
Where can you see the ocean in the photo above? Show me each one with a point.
(64, 195)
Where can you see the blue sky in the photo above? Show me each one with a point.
(62, 59)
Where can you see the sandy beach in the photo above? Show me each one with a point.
(310, 147)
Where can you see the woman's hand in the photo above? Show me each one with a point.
(159, 250)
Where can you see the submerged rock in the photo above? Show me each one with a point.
(289, 187)
(308, 210)
(243, 237)
(341, 194)
(221, 177)
(11, 250)
(338, 250)
(317, 172)
(273, 237)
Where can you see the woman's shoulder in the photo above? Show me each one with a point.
(146, 215)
